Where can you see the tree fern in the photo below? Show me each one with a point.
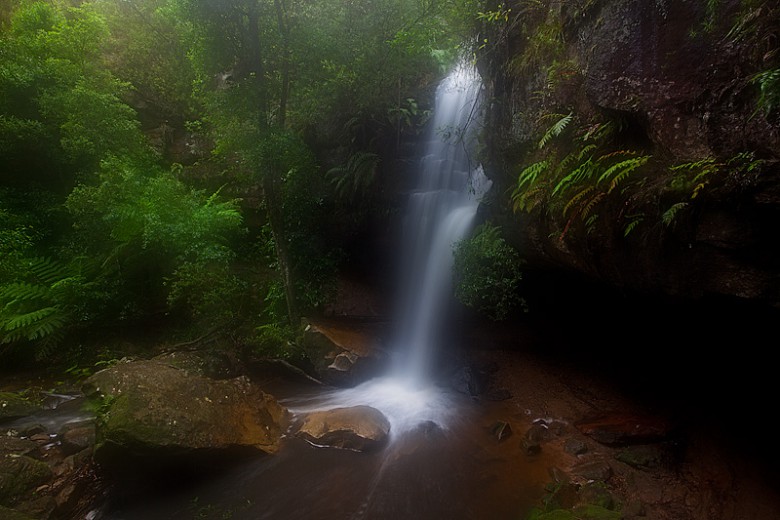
(36, 310)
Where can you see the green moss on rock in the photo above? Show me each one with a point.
(18, 475)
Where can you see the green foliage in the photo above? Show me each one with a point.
(768, 83)
(574, 184)
(487, 273)
(41, 306)
(556, 129)
(357, 176)
(61, 111)
(161, 244)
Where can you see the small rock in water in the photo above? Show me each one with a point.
(593, 470)
(501, 430)
(574, 446)
(618, 428)
(532, 441)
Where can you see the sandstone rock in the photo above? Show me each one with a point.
(359, 428)
(152, 410)
(342, 355)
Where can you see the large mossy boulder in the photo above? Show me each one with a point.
(154, 411)
(358, 428)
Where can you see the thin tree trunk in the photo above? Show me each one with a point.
(275, 218)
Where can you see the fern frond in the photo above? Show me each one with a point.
(48, 270)
(590, 223)
(693, 165)
(583, 171)
(577, 198)
(588, 207)
(25, 320)
(529, 175)
(21, 291)
(356, 175)
(556, 129)
(668, 216)
(619, 172)
(632, 225)
(618, 153)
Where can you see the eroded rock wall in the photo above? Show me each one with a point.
(678, 193)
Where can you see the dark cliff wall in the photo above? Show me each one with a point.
(629, 140)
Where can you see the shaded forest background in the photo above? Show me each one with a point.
(173, 168)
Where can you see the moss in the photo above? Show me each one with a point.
(11, 514)
(18, 475)
(594, 512)
(13, 405)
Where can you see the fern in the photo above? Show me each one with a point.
(35, 310)
(556, 129)
(356, 175)
(577, 198)
(531, 173)
(583, 171)
(636, 220)
(669, 215)
(619, 172)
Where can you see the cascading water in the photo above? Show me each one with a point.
(440, 213)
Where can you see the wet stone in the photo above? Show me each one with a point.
(593, 470)
(574, 446)
(641, 457)
(501, 430)
(596, 493)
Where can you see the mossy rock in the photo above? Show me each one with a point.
(642, 457)
(12, 514)
(151, 410)
(18, 475)
(13, 406)
(594, 512)
(588, 512)
(597, 494)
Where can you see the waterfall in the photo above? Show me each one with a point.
(439, 214)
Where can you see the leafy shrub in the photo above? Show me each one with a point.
(487, 273)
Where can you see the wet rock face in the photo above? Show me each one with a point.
(680, 80)
(154, 410)
(358, 428)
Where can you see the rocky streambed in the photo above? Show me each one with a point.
(527, 437)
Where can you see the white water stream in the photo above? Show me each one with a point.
(440, 212)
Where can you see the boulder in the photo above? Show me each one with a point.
(152, 410)
(20, 475)
(11, 514)
(13, 406)
(618, 428)
(342, 355)
(358, 428)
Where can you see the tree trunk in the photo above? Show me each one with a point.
(275, 218)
